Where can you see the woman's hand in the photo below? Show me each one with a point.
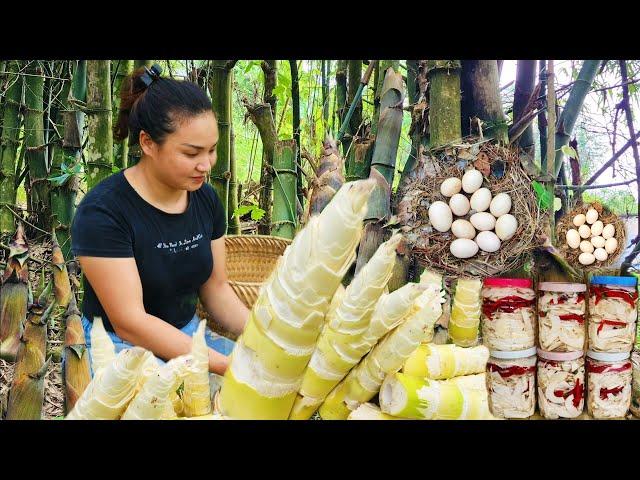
(217, 296)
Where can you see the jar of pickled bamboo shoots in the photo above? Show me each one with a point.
(561, 388)
(508, 318)
(511, 383)
(609, 384)
(561, 316)
(613, 313)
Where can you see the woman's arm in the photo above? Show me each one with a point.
(116, 282)
(217, 296)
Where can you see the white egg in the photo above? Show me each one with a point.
(472, 181)
(586, 246)
(506, 226)
(483, 221)
(573, 238)
(579, 219)
(611, 245)
(608, 231)
(598, 242)
(459, 204)
(480, 200)
(586, 258)
(488, 242)
(463, 229)
(591, 216)
(596, 228)
(500, 205)
(450, 186)
(584, 231)
(463, 248)
(440, 216)
(601, 254)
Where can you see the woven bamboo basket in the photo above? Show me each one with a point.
(250, 260)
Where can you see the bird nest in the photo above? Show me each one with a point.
(503, 173)
(607, 217)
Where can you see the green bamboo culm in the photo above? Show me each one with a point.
(120, 148)
(99, 148)
(572, 108)
(220, 81)
(383, 66)
(383, 164)
(35, 155)
(481, 99)
(12, 121)
(354, 68)
(284, 189)
(341, 93)
(358, 162)
(233, 222)
(444, 109)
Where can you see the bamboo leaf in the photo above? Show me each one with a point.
(257, 213)
(569, 151)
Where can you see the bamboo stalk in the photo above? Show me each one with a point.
(383, 165)
(284, 192)
(444, 109)
(12, 119)
(220, 81)
(341, 94)
(120, 148)
(525, 83)
(40, 203)
(77, 371)
(27, 391)
(551, 146)
(13, 299)
(99, 148)
(295, 105)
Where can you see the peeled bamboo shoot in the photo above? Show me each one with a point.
(364, 381)
(111, 389)
(152, 401)
(271, 355)
(103, 351)
(197, 397)
(369, 411)
(347, 321)
(439, 362)
(465, 313)
(462, 398)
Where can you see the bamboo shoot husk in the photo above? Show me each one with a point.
(61, 283)
(77, 371)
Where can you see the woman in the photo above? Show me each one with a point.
(149, 239)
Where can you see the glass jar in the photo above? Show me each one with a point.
(612, 314)
(508, 319)
(511, 380)
(635, 385)
(561, 388)
(561, 316)
(609, 384)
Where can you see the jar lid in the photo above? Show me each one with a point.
(608, 357)
(560, 356)
(508, 282)
(622, 281)
(529, 352)
(562, 287)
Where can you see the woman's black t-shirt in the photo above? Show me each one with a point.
(172, 251)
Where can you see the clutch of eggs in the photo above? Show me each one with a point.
(489, 222)
(595, 239)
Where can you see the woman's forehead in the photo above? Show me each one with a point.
(197, 130)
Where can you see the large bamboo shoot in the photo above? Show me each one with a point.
(439, 362)
(270, 357)
(103, 351)
(77, 371)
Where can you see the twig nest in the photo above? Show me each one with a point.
(601, 236)
(459, 204)
(481, 199)
(463, 248)
(500, 205)
(463, 229)
(472, 181)
(450, 187)
(483, 221)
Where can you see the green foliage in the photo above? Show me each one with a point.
(256, 212)
(619, 201)
(67, 173)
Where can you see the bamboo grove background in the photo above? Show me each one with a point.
(278, 160)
